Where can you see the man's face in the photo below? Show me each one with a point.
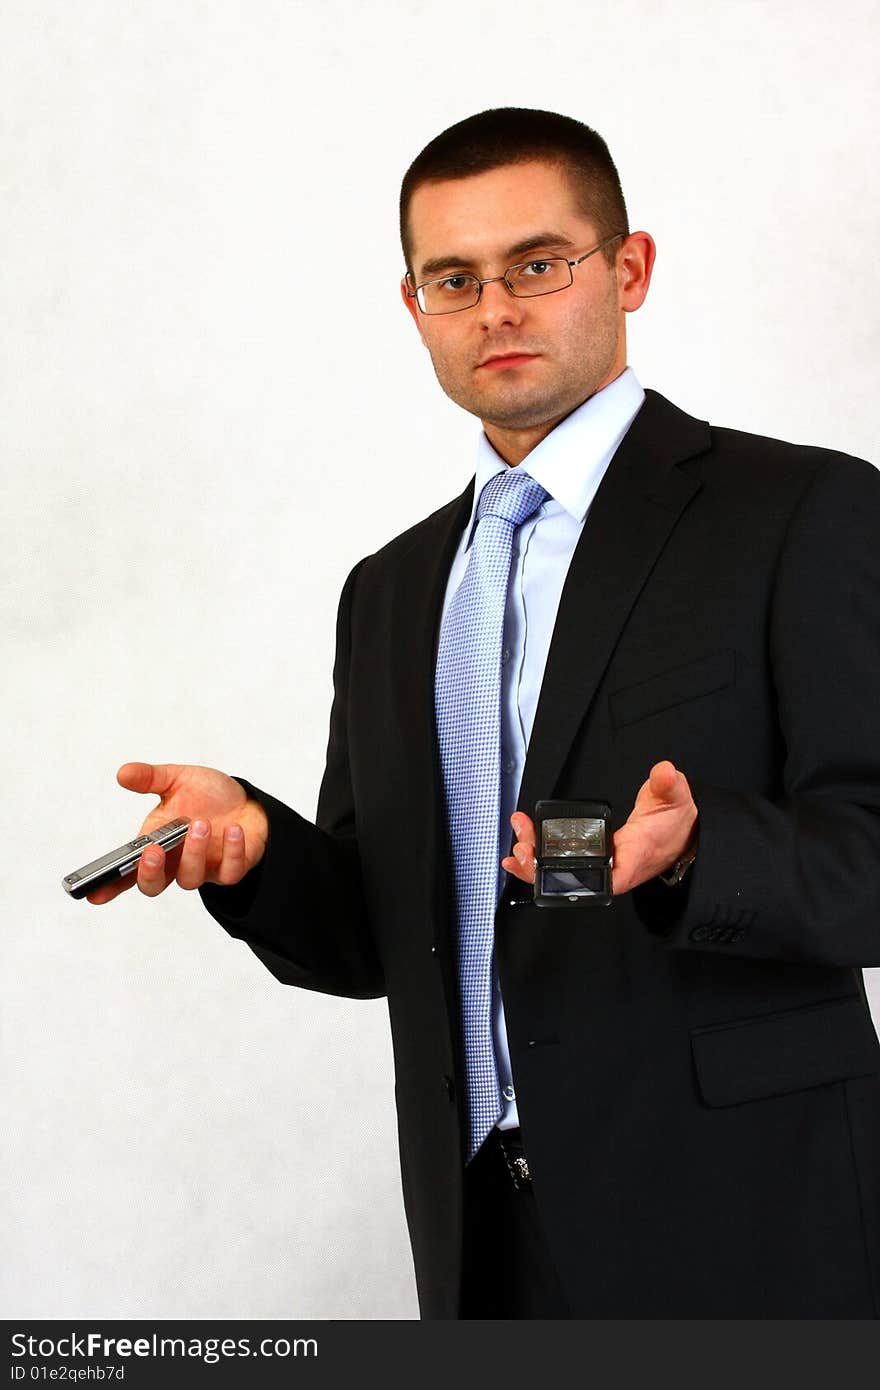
(520, 365)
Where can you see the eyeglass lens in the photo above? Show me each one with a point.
(461, 291)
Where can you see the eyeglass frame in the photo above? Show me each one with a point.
(491, 279)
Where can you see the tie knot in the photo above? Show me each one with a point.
(513, 495)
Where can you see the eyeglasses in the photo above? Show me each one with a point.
(548, 275)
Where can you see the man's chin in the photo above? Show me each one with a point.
(510, 407)
(522, 416)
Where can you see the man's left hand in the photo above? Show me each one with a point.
(660, 830)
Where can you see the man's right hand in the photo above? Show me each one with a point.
(226, 838)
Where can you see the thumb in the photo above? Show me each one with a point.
(666, 788)
(663, 781)
(147, 777)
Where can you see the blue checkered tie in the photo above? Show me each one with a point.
(467, 697)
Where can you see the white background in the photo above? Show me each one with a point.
(204, 366)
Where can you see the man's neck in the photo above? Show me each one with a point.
(514, 445)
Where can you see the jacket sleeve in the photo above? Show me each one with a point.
(798, 879)
(302, 909)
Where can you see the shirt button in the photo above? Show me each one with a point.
(509, 1093)
(505, 656)
(509, 764)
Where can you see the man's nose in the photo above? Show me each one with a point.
(498, 306)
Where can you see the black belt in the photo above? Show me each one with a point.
(510, 1143)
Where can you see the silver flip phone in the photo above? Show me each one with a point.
(123, 860)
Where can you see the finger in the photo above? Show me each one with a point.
(151, 876)
(525, 871)
(233, 864)
(521, 863)
(147, 777)
(109, 891)
(192, 869)
(523, 828)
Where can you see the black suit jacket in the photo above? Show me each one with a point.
(696, 1069)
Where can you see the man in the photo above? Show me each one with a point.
(666, 1108)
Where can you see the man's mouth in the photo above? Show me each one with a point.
(508, 359)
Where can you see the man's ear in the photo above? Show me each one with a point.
(410, 302)
(635, 264)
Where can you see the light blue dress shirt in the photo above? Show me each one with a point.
(569, 464)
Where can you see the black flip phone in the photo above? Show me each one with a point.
(573, 854)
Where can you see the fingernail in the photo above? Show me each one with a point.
(234, 832)
(152, 859)
(199, 829)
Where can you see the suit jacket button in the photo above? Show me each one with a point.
(449, 1087)
(699, 933)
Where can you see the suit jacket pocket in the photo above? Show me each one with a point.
(790, 1051)
(674, 687)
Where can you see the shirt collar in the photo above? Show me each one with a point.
(571, 461)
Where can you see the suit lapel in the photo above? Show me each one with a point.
(634, 511)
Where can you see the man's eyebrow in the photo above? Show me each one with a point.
(538, 242)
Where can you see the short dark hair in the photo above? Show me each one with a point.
(517, 135)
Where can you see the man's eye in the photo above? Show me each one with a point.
(453, 283)
(537, 268)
